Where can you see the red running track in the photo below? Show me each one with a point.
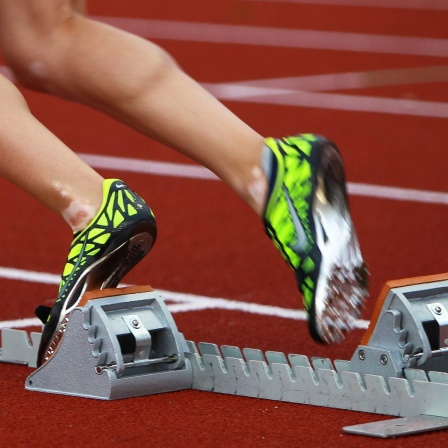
(210, 245)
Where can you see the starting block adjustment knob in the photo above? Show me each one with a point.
(121, 343)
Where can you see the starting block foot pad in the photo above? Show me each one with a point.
(409, 329)
(116, 347)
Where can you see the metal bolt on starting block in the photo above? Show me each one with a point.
(121, 343)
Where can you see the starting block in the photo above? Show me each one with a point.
(123, 342)
(408, 330)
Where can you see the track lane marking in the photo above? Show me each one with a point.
(280, 37)
(429, 5)
(283, 96)
(183, 302)
(148, 166)
(198, 172)
(335, 81)
(332, 101)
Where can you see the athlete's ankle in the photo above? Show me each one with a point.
(79, 210)
(78, 215)
(252, 185)
(256, 189)
(77, 199)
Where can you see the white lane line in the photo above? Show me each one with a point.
(148, 166)
(332, 81)
(398, 194)
(435, 5)
(187, 302)
(183, 302)
(280, 37)
(268, 93)
(183, 170)
(337, 101)
(29, 276)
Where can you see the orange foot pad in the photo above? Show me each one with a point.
(111, 292)
(385, 292)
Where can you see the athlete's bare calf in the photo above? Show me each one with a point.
(52, 47)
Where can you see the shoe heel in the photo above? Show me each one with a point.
(343, 273)
(331, 177)
(108, 271)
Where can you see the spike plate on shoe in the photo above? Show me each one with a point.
(342, 281)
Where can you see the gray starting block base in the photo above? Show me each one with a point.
(128, 345)
(117, 347)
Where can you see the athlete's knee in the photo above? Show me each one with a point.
(28, 69)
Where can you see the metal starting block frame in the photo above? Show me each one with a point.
(122, 343)
(400, 368)
(125, 344)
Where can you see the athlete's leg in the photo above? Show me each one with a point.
(38, 162)
(52, 48)
(113, 227)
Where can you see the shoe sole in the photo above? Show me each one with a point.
(104, 273)
(342, 280)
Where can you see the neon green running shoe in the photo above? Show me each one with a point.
(120, 235)
(307, 217)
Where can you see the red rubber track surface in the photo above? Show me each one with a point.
(210, 244)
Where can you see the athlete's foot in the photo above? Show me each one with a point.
(307, 217)
(118, 237)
